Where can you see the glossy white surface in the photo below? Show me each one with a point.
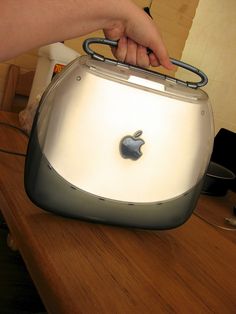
(90, 116)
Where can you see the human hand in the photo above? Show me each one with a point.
(133, 36)
(130, 52)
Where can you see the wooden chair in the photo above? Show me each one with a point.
(17, 89)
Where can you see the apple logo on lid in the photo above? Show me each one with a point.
(130, 146)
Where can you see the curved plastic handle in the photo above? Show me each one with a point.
(113, 43)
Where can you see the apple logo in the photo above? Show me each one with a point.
(130, 146)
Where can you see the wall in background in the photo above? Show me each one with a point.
(211, 46)
(173, 17)
(26, 61)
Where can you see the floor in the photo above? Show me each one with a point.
(17, 292)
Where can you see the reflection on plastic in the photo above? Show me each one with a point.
(217, 211)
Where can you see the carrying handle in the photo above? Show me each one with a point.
(113, 43)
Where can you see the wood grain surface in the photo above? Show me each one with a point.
(82, 267)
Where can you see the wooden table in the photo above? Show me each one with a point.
(81, 267)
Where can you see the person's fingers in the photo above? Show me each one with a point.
(147, 35)
(160, 53)
(139, 29)
(122, 54)
(131, 55)
(164, 60)
(121, 51)
(142, 57)
(153, 60)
